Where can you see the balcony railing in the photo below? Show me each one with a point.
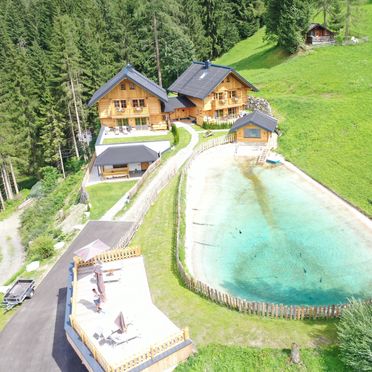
(128, 112)
(233, 101)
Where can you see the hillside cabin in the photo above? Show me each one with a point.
(124, 161)
(131, 100)
(209, 93)
(318, 34)
(254, 127)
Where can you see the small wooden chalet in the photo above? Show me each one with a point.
(131, 99)
(318, 34)
(208, 92)
(254, 127)
(124, 161)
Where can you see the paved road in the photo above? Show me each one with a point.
(11, 248)
(34, 339)
(174, 163)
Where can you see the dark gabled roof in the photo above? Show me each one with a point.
(129, 72)
(125, 155)
(258, 118)
(315, 25)
(177, 102)
(201, 78)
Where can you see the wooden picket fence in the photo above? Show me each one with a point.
(255, 308)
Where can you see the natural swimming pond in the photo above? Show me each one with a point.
(272, 235)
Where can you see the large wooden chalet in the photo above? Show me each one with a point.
(208, 92)
(131, 99)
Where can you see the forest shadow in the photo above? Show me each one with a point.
(265, 59)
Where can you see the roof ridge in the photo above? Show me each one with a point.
(214, 65)
(262, 112)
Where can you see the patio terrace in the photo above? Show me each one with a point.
(150, 332)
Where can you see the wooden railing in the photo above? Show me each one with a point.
(124, 113)
(134, 360)
(116, 172)
(249, 307)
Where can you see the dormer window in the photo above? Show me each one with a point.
(123, 86)
(132, 86)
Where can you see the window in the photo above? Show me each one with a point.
(132, 86)
(228, 79)
(120, 104)
(219, 113)
(232, 110)
(141, 121)
(138, 103)
(219, 96)
(252, 133)
(120, 166)
(123, 86)
(122, 122)
(233, 94)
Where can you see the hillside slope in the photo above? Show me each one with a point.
(323, 99)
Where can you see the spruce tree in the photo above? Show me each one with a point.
(336, 19)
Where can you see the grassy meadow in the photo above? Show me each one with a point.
(323, 99)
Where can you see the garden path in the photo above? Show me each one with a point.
(157, 182)
(11, 248)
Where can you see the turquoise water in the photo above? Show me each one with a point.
(267, 234)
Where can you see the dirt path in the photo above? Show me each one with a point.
(11, 249)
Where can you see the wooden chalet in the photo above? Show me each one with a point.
(131, 99)
(318, 34)
(125, 161)
(254, 127)
(208, 92)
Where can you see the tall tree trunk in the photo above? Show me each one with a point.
(75, 103)
(61, 161)
(73, 134)
(2, 201)
(7, 185)
(157, 53)
(347, 19)
(14, 178)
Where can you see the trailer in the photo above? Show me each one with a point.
(20, 290)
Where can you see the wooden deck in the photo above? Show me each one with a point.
(127, 291)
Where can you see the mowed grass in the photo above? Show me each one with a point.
(163, 137)
(323, 99)
(203, 138)
(103, 196)
(209, 322)
(236, 359)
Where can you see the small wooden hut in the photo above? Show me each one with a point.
(318, 34)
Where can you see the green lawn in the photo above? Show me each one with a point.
(209, 322)
(202, 137)
(236, 359)
(103, 196)
(323, 99)
(163, 137)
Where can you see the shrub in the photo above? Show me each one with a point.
(74, 164)
(355, 336)
(207, 125)
(49, 180)
(176, 136)
(42, 247)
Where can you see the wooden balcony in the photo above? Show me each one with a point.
(129, 112)
(229, 102)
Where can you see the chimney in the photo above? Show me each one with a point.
(207, 64)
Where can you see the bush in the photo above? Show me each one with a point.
(355, 336)
(49, 180)
(176, 136)
(42, 247)
(207, 125)
(74, 164)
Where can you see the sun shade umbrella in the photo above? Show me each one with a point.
(101, 285)
(92, 250)
(120, 322)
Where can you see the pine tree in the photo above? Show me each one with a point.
(286, 23)
(336, 19)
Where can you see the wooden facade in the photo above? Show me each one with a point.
(128, 104)
(224, 103)
(318, 34)
(246, 134)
